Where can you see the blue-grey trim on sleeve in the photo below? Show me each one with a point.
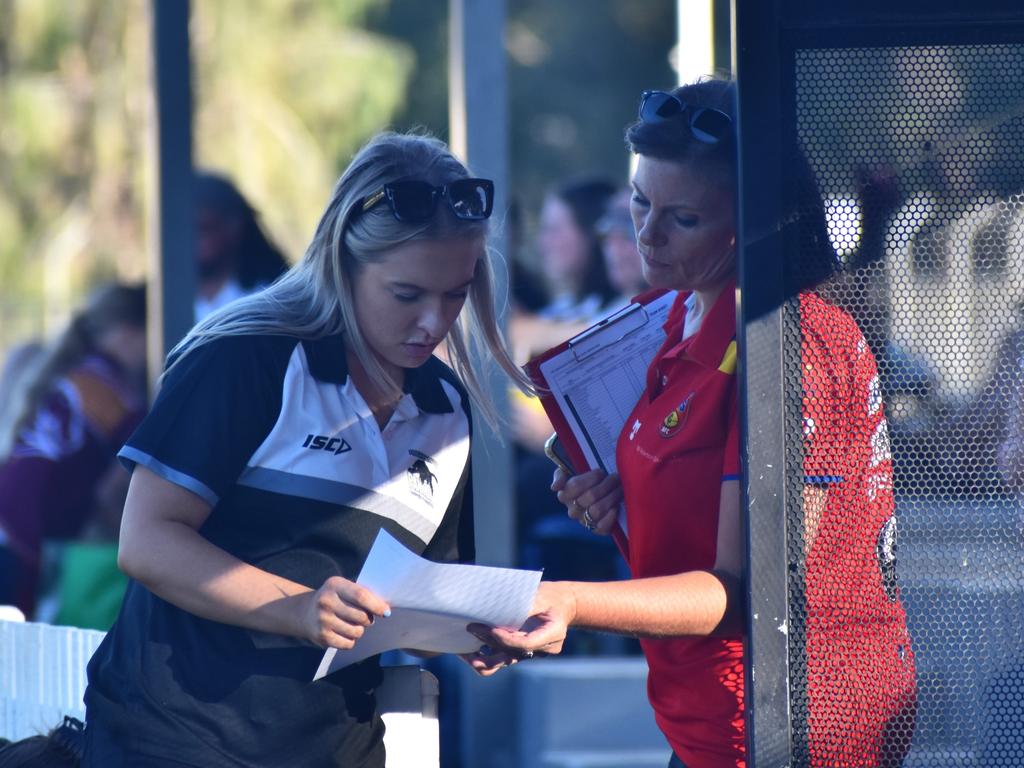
(822, 479)
(730, 477)
(171, 475)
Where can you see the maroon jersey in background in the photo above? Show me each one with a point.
(48, 483)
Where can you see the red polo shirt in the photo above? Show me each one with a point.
(676, 448)
(679, 445)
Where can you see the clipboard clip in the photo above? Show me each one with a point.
(626, 321)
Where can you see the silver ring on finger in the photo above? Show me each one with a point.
(588, 520)
(527, 654)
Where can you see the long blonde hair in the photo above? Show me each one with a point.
(314, 298)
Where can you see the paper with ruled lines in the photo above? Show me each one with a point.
(598, 379)
(431, 603)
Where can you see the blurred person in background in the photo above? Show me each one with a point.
(1003, 697)
(234, 257)
(572, 267)
(572, 252)
(527, 292)
(1008, 390)
(60, 430)
(572, 264)
(621, 257)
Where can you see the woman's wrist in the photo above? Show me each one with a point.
(563, 600)
(295, 615)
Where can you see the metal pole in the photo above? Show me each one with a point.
(172, 285)
(478, 120)
(762, 385)
(478, 116)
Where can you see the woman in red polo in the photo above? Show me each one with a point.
(678, 459)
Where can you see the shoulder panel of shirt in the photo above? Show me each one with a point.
(828, 321)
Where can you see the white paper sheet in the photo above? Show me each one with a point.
(432, 603)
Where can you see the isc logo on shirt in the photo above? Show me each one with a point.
(335, 445)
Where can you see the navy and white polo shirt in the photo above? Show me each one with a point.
(274, 435)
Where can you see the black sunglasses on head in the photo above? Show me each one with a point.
(706, 124)
(414, 202)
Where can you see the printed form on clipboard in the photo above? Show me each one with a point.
(594, 380)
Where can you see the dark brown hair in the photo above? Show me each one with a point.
(587, 199)
(258, 260)
(672, 139)
(60, 748)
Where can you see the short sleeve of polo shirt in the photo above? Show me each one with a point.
(214, 408)
(837, 369)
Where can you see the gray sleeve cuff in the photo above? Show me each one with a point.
(131, 456)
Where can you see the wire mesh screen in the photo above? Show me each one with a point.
(908, 372)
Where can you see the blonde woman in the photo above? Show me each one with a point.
(290, 428)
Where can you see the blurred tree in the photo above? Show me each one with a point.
(424, 27)
(575, 83)
(285, 93)
(576, 70)
(70, 138)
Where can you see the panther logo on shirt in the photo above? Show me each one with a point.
(421, 479)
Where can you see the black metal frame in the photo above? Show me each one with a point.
(766, 36)
(756, 64)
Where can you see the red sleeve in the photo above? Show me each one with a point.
(823, 395)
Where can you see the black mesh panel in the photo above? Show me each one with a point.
(905, 375)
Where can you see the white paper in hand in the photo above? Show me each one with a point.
(432, 603)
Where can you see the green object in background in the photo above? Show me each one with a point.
(90, 587)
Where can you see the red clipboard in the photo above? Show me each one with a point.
(554, 411)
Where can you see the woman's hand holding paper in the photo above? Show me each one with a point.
(553, 611)
(337, 614)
